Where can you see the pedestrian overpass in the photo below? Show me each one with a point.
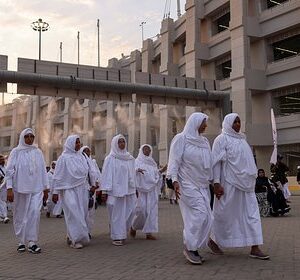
(46, 78)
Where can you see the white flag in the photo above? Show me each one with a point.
(274, 132)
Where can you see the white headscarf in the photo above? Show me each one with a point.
(51, 169)
(69, 146)
(116, 152)
(227, 126)
(141, 158)
(191, 133)
(22, 145)
(72, 168)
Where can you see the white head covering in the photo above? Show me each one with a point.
(191, 127)
(227, 126)
(146, 159)
(82, 151)
(69, 146)
(116, 152)
(22, 145)
(51, 169)
(71, 169)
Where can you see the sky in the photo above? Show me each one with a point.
(119, 28)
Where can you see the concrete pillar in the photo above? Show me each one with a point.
(240, 50)
(194, 9)
(167, 39)
(110, 125)
(165, 134)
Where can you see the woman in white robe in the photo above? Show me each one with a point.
(118, 179)
(52, 208)
(148, 187)
(69, 182)
(189, 168)
(90, 217)
(27, 186)
(236, 215)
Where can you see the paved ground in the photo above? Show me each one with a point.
(145, 259)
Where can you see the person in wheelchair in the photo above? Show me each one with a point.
(269, 195)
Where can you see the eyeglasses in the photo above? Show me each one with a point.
(29, 136)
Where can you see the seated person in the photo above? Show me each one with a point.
(274, 195)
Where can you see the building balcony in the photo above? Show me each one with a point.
(219, 45)
(283, 73)
(211, 5)
(288, 128)
(280, 17)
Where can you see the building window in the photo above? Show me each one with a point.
(223, 70)
(6, 141)
(153, 137)
(221, 23)
(7, 121)
(61, 105)
(287, 104)
(286, 48)
(77, 123)
(81, 101)
(274, 3)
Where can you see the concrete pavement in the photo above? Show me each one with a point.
(146, 259)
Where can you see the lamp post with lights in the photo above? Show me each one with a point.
(40, 26)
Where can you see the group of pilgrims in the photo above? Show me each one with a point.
(133, 184)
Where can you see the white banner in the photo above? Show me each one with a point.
(274, 132)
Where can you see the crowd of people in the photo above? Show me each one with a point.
(195, 173)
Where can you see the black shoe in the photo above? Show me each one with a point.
(171, 201)
(34, 249)
(48, 214)
(21, 248)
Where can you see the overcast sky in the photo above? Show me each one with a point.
(119, 21)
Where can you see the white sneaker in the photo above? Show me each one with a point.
(76, 246)
(6, 220)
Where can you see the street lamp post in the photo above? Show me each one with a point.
(142, 26)
(40, 26)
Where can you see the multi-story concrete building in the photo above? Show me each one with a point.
(250, 47)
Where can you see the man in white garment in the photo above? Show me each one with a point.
(3, 193)
(69, 182)
(52, 208)
(148, 186)
(118, 179)
(236, 214)
(190, 168)
(27, 186)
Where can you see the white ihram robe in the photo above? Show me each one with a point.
(236, 215)
(90, 216)
(118, 179)
(70, 175)
(190, 165)
(148, 186)
(55, 209)
(26, 175)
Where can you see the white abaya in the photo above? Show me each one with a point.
(190, 165)
(70, 175)
(148, 186)
(118, 179)
(236, 215)
(53, 208)
(26, 175)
